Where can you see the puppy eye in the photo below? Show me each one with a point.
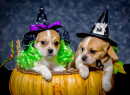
(56, 43)
(82, 49)
(92, 51)
(43, 42)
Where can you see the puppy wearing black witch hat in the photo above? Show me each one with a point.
(96, 51)
(47, 41)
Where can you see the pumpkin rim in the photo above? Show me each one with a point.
(65, 72)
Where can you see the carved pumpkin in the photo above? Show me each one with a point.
(23, 82)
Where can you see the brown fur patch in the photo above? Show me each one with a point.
(42, 36)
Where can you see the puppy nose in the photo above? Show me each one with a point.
(50, 50)
(84, 58)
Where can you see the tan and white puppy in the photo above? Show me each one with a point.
(89, 51)
(48, 44)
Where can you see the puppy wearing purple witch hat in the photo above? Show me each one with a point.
(47, 39)
(96, 51)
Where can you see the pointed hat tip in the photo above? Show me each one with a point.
(41, 8)
(104, 17)
(42, 18)
(106, 11)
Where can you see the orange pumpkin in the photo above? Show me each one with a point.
(23, 82)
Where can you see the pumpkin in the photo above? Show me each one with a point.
(24, 82)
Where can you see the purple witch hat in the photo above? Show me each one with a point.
(41, 25)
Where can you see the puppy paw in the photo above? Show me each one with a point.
(106, 86)
(84, 72)
(47, 75)
(58, 68)
(71, 69)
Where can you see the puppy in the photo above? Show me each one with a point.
(48, 44)
(89, 51)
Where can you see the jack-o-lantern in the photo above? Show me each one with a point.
(24, 82)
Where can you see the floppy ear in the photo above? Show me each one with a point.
(112, 53)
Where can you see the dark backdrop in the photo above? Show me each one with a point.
(16, 16)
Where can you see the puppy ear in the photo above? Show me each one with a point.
(112, 53)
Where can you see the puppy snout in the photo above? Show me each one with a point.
(84, 58)
(50, 50)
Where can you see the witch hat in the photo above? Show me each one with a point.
(100, 29)
(42, 18)
(42, 24)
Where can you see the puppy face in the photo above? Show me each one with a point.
(92, 49)
(47, 43)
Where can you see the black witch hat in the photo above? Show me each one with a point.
(41, 25)
(42, 18)
(100, 29)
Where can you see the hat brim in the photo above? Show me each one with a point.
(83, 35)
(31, 35)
